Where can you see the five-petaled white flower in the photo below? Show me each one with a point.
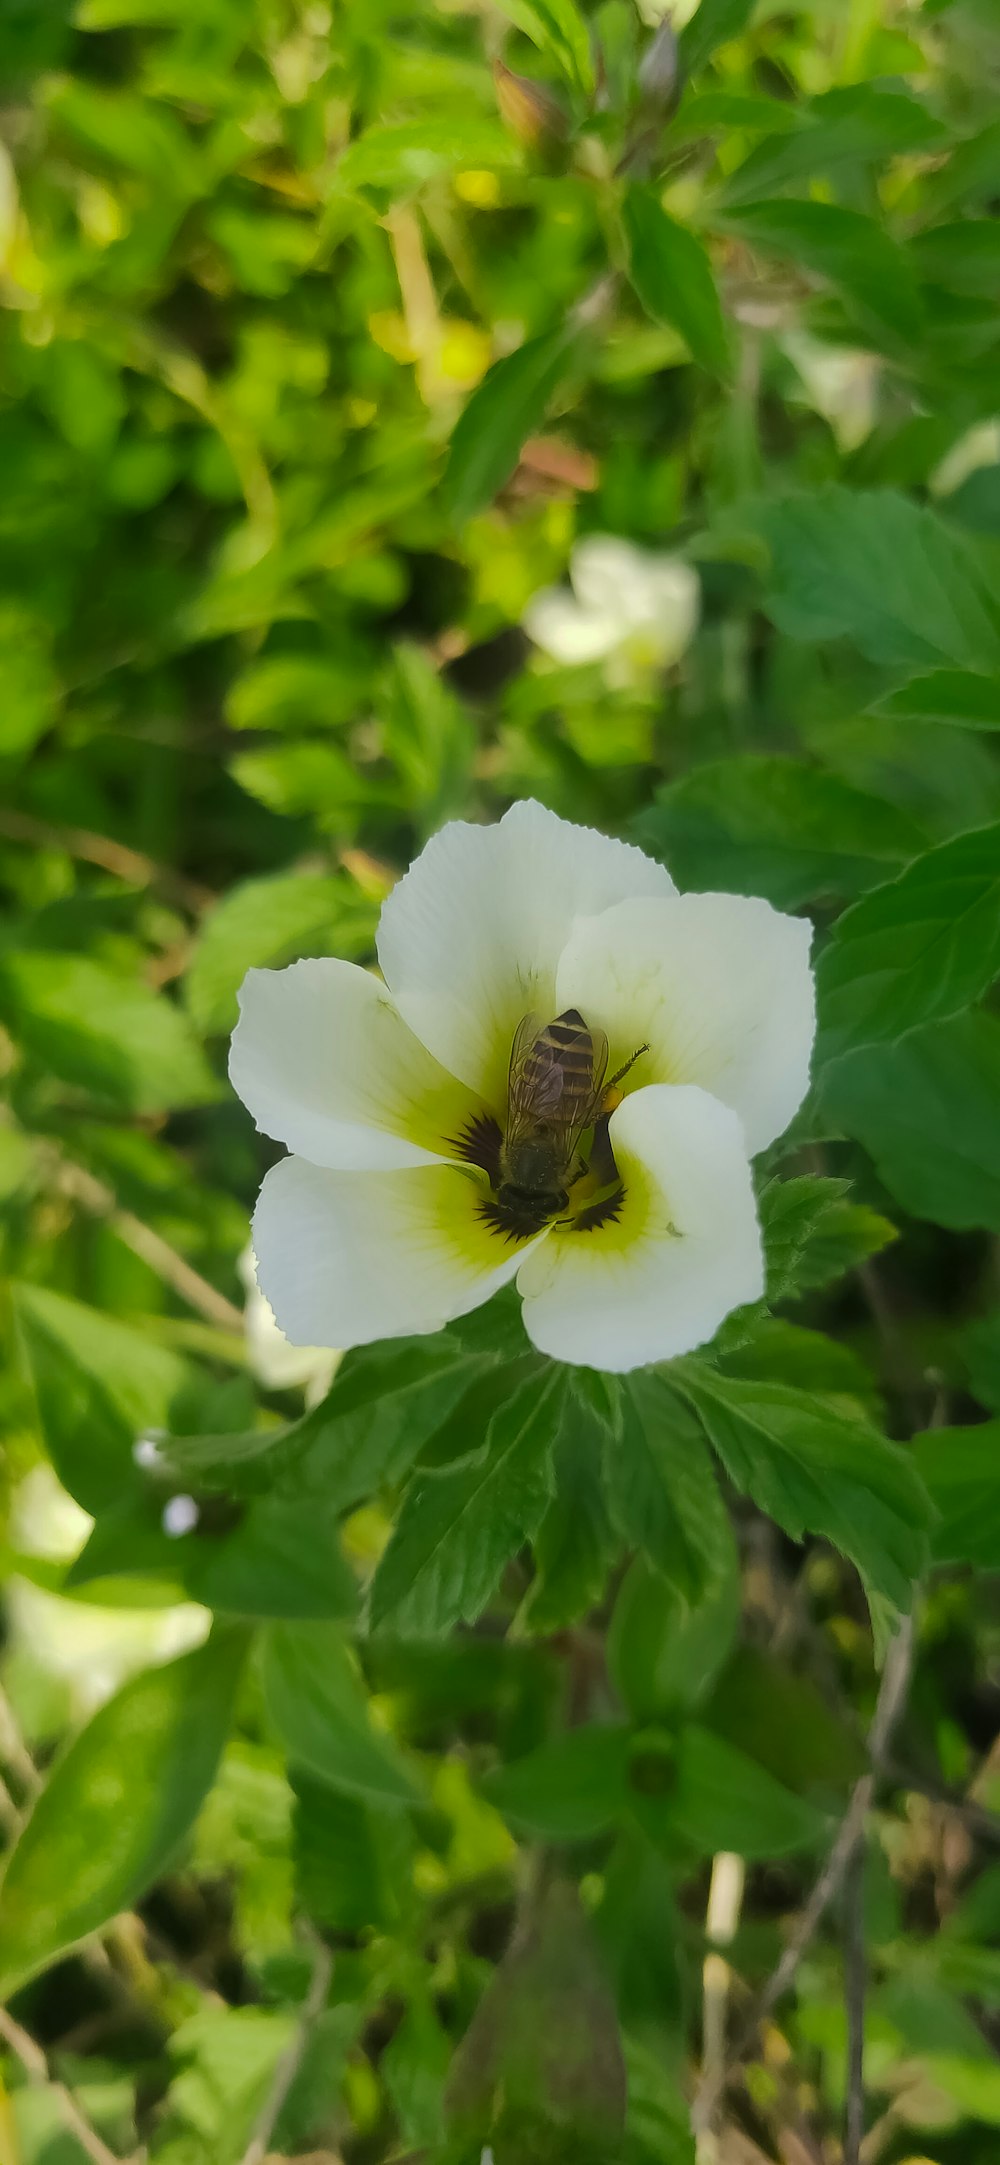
(627, 604)
(658, 1041)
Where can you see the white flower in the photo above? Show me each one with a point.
(625, 602)
(276, 1364)
(399, 1207)
(91, 1650)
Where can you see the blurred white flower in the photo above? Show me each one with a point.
(89, 1649)
(624, 604)
(841, 383)
(277, 1364)
(180, 1516)
(541, 985)
(980, 446)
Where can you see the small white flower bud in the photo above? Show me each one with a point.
(180, 1516)
(146, 1451)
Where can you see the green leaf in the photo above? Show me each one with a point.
(572, 1787)
(918, 949)
(960, 1467)
(785, 1722)
(137, 1773)
(926, 1111)
(964, 256)
(958, 697)
(351, 1860)
(909, 588)
(662, 1490)
(458, 1528)
(414, 2068)
(282, 1560)
(816, 1471)
(318, 1704)
(664, 1652)
(397, 156)
(100, 1385)
(713, 23)
(386, 1403)
(540, 2071)
(559, 29)
(103, 1032)
(724, 1800)
(852, 252)
(777, 1351)
(511, 401)
(575, 1543)
(764, 824)
(659, 2112)
(812, 1234)
(261, 923)
(858, 124)
(673, 278)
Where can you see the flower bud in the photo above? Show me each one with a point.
(528, 110)
(659, 72)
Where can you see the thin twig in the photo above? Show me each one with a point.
(196, 1292)
(892, 1694)
(117, 858)
(855, 1988)
(36, 2067)
(291, 2059)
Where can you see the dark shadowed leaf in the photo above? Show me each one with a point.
(540, 2071)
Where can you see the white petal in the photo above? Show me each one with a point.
(604, 571)
(655, 594)
(345, 1258)
(720, 988)
(469, 939)
(324, 1062)
(565, 631)
(683, 1253)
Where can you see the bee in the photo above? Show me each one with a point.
(556, 1090)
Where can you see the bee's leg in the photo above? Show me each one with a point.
(611, 1096)
(602, 1167)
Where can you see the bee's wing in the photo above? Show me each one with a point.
(535, 1079)
(585, 1112)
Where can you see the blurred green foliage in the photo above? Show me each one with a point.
(325, 335)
